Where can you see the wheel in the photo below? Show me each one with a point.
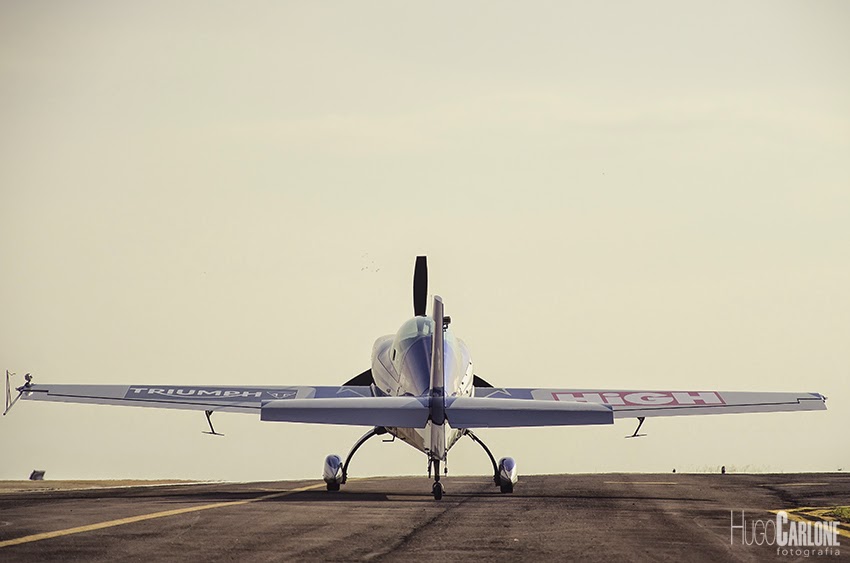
(506, 487)
(437, 490)
(333, 486)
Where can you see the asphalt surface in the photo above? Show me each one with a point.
(670, 517)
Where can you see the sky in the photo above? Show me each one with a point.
(611, 195)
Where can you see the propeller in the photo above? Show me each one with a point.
(420, 286)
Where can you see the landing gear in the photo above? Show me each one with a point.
(504, 472)
(332, 472)
(507, 474)
(496, 479)
(335, 472)
(377, 431)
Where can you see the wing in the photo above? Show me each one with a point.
(633, 403)
(491, 407)
(347, 404)
(246, 399)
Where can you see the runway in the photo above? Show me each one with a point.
(670, 517)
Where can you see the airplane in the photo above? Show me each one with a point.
(422, 389)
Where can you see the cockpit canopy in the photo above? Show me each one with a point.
(414, 328)
(411, 352)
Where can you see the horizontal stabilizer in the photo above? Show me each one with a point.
(476, 412)
(406, 412)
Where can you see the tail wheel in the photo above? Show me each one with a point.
(437, 490)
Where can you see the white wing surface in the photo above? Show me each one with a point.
(224, 398)
(635, 403)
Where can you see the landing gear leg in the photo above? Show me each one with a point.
(377, 431)
(496, 479)
(437, 489)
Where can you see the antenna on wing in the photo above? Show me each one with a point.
(212, 431)
(420, 286)
(640, 423)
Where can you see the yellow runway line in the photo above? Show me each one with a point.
(813, 516)
(640, 483)
(794, 484)
(151, 516)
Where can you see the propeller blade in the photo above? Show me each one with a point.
(420, 286)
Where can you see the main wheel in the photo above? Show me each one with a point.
(333, 486)
(506, 487)
(437, 490)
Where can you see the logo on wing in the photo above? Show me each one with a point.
(643, 398)
(281, 394)
(207, 393)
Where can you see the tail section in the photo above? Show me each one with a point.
(438, 386)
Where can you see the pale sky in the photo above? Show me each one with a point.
(614, 195)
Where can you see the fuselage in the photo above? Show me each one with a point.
(402, 366)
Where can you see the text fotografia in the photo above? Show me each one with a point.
(799, 539)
